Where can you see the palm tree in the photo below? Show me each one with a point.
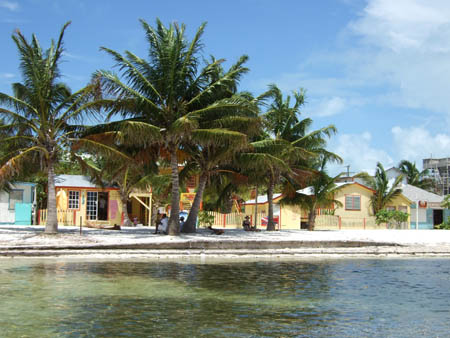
(40, 112)
(226, 136)
(383, 191)
(284, 126)
(446, 202)
(134, 170)
(415, 177)
(165, 97)
(320, 192)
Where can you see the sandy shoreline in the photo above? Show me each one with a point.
(140, 242)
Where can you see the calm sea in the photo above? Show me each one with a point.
(295, 298)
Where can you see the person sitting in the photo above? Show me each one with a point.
(246, 224)
(158, 221)
(181, 223)
(163, 225)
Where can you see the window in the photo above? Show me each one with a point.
(91, 207)
(403, 208)
(15, 196)
(74, 199)
(390, 208)
(352, 202)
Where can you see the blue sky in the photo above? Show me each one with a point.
(379, 70)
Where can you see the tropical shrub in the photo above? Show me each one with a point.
(444, 226)
(390, 216)
(205, 219)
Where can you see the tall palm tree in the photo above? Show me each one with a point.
(284, 126)
(40, 112)
(165, 97)
(384, 192)
(415, 177)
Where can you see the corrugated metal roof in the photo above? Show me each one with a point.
(416, 194)
(262, 199)
(78, 181)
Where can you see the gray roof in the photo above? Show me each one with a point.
(78, 181)
(310, 190)
(262, 199)
(416, 194)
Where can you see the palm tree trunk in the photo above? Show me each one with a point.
(311, 219)
(51, 227)
(189, 225)
(154, 213)
(256, 206)
(174, 220)
(126, 218)
(270, 222)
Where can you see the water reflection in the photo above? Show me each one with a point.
(347, 298)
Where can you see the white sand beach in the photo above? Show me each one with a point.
(141, 241)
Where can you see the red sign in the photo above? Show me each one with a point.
(265, 220)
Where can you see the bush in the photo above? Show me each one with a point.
(205, 219)
(444, 226)
(389, 216)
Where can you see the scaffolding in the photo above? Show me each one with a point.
(439, 169)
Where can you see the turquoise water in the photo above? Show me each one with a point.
(320, 298)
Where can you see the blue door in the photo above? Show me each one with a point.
(23, 214)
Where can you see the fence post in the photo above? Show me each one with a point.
(364, 223)
(340, 222)
(224, 220)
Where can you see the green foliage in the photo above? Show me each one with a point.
(389, 216)
(205, 219)
(384, 192)
(444, 226)
(415, 177)
(446, 202)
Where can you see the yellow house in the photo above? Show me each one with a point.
(355, 200)
(289, 217)
(354, 212)
(79, 201)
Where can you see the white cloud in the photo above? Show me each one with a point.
(406, 45)
(417, 143)
(12, 6)
(7, 75)
(357, 151)
(328, 107)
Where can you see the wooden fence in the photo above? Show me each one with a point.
(333, 222)
(65, 217)
(234, 220)
(323, 222)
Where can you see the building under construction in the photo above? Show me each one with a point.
(440, 171)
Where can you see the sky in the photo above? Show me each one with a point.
(379, 70)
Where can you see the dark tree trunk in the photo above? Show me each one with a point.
(189, 225)
(312, 219)
(255, 222)
(270, 222)
(174, 220)
(51, 227)
(227, 206)
(126, 219)
(154, 213)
